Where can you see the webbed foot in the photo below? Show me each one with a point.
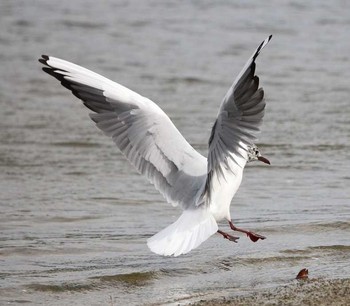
(228, 236)
(253, 236)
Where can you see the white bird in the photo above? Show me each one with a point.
(147, 137)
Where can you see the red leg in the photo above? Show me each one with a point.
(228, 236)
(253, 236)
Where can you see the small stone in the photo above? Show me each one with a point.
(303, 274)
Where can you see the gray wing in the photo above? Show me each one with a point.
(141, 130)
(240, 115)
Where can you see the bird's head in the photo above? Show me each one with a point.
(254, 154)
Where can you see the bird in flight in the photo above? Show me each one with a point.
(202, 187)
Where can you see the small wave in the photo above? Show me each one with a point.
(318, 226)
(75, 144)
(228, 263)
(324, 249)
(332, 248)
(76, 173)
(311, 227)
(24, 23)
(176, 272)
(64, 287)
(139, 23)
(338, 225)
(122, 201)
(72, 219)
(134, 279)
(129, 279)
(36, 250)
(188, 80)
(83, 24)
(326, 147)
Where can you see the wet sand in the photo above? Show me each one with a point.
(308, 292)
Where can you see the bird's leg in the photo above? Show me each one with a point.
(228, 236)
(253, 236)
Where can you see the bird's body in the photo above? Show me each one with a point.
(220, 200)
(203, 187)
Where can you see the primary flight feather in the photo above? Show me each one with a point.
(150, 141)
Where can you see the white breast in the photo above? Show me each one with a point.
(224, 188)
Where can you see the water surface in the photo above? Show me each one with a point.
(75, 215)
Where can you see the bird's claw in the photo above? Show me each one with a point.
(228, 236)
(232, 238)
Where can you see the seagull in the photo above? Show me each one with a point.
(202, 187)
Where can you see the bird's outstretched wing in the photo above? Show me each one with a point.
(140, 129)
(240, 115)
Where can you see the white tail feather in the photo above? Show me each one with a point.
(186, 233)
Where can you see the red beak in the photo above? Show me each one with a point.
(264, 160)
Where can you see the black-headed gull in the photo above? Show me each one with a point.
(146, 136)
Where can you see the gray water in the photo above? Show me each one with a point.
(75, 216)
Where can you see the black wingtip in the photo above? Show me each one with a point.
(50, 71)
(44, 58)
(264, 43)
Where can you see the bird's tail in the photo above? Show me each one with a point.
(192, 228)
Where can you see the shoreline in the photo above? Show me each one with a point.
(307, 292)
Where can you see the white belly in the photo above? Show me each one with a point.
(223, 191)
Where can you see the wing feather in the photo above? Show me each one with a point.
(237, 125)
(140, 129)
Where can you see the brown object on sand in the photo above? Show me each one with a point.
(303, 274)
